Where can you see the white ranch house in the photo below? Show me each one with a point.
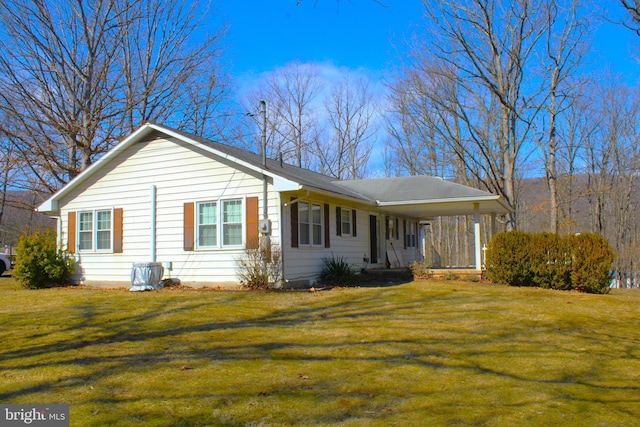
(165, 196)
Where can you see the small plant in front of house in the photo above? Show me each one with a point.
(260, 268)
(40, 263)
(337, 272)
(421, 270)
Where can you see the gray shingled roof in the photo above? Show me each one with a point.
(411, 188)
(293, 173)
(411, 195)
(414, 195)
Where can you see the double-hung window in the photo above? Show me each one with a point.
(95, 230)
(411, 231)
(208, 224)
(231, 222)
(345, 220)
(220, 223)
(310, 223)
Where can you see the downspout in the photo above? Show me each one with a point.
(152, 237)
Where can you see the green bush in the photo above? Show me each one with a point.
(582, 262)
(507, 259)
(39, 261)
(549, 259)
(337, 272)
(591, 263)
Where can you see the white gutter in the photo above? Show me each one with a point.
(152, 214)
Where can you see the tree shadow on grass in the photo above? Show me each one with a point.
(378, 331)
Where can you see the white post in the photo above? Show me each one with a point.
(476, 232)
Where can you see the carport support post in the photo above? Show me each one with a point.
(476, 232)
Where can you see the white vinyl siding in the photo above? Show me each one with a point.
(196, 175)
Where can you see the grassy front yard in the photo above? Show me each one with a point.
(424, 353)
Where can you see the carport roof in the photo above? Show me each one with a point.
(426, 197)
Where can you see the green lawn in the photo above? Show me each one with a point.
(423, 353)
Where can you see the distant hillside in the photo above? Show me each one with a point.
(18, 214)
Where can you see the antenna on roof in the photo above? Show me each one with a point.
(263, 104)
(280, 155)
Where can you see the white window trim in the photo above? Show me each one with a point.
(219, 224)
(311, 224)
(94, 230)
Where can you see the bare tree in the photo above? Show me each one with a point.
(292, 94)
(351, 111)
(482, 54)
(633, 7)
(75, 76)
(564, 49)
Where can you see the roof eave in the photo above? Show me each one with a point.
(475, 199)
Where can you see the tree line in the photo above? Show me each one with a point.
(490, 94)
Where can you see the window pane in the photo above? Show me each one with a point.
(304, 234)
(86, 221)
(346, 221)
(232, 234)
(104, 240)
(85, 231)
(207, 213)
(207, 224)
(317, 234)
(208, 235)
(232, 222)
(303, 213)
(103, 220)
(232, 211)
(85, 241)
(316, 214)
(103, 228)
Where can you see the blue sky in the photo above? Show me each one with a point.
(362, 35)
(347, 33)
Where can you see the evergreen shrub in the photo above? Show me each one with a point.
(507, 259)
(549, 258)
(39, 261)
(582, 262)
(591, 263)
